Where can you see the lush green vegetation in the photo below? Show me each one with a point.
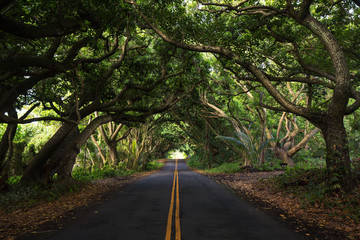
(310, 186)
(307, 181)
(97, 173)
(93, 89)
(27, 196)
(20, 196)
(225, 168)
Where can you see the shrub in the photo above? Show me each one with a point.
(271, 165)
(13, 180)
(99, 173)
(153, 165)
(25, 196)
(225, 168)
(311, 187)
(311, 163)
(195, 162)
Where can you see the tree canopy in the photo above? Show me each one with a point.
(264, 70)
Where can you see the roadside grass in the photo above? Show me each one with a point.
(111, 171)
(100, 173)
(307, 181)
(195, 162)
(154, 165)
(224, 168)
(24, 196)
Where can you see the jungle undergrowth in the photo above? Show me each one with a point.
(23, 196)
(312, 189)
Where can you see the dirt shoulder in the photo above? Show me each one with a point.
(15, 224)
(315, 222)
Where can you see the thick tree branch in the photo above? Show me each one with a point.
(302, 143)
(13, 63)
(286, 105)
(57, 28)
(10, 120)
(238, 10)
(166, 38)
(304, 9)
(311, 68)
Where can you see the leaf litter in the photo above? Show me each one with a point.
(316, 222)
(36, 219)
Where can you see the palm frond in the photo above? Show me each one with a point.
(231, 139)
(245, 139)
(264, 144)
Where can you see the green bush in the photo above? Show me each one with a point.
(311, 187)
(153, 165)
(225, 168)
(195, 162)
(13, 180)
(107, 171)
(301, 163)
(270, 165)
(100, 173)
(311, 163)
(25, 196)
(297, 176)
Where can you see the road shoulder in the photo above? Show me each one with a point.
(311, 221)
(53, 215)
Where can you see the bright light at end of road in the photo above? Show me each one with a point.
(178, 155)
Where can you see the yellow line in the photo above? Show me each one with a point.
(169, 222)
(177, 211)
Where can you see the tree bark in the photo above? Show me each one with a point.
(63, 164)
(57, 164)
(113, 153)
(111, 140)
(34, 171)
(283, 155)
(337, 158)
(99, 150)
(6, 142)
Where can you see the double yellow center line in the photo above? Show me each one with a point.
(177, 210)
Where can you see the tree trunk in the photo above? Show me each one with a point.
(57, 163)
(113, 154)
(34, 171)
(3, 185)
(282, 154)
(65, 157)
(337, 158)
(262, 118)
(17, 165)
(111, 141)
(6, 143)
(99, 150)
(145, 160)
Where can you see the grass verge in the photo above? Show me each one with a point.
(24, 196)
(224, 168)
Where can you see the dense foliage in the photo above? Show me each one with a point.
(98, 88)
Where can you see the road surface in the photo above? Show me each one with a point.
(174, 203)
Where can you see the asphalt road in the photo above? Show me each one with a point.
(202, 209)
